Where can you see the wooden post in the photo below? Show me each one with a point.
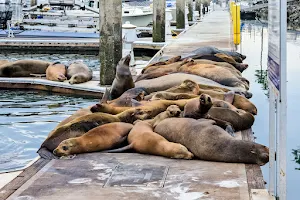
(33, 2)
(198, 7)
(110, 51)
(191, 10)
(159, 17)
(180, 14)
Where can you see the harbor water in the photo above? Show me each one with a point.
(255, 45)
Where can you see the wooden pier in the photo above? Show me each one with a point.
(139, 177)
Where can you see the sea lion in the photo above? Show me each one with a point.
(56, 72)
(100, 138)
(128, 98)
(143, 140)
(238, 118)
(172, 111)
(210, 142)
(3, 62)
(74, 128)
(151, 107)
(123, 79)
(168, 81)
(198, 108)
(23, 68)
(78, 72)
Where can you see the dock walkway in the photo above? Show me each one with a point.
(139, 177)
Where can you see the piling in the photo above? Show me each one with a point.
(190, 8)
(159, 17)
(198, 7)
(110, 51)
(180, 14)
(33, 2)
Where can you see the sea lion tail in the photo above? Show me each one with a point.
(119, 150)
(46, 154)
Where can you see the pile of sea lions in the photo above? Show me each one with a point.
(77, 72)
(184, 107)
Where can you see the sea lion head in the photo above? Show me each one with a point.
(174, 111)
(125, 60)
(61, 77)
(261, 154)
(192, 86)
(205, 101)
(77, 78)
(182, 152)
(65, 148)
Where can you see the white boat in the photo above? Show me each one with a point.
(77, 15)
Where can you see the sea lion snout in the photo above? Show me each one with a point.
(126, 59)
(64, 148)
(174, 110)
(262, 154)
(96, 108)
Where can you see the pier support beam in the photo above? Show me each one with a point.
(110, 51)
(180, 14)
(191, 10)
(159, 17)
(198, 7)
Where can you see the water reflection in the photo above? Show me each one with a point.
(296, 153)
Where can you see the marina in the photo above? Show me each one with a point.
(34, 106)
(230, 181)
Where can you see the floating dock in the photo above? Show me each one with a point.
(137, 176)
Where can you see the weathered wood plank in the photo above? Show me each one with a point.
(16, 183)
(254, 175)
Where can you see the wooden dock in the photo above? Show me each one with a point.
(139, 177)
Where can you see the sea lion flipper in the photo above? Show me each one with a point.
(46, 154)
(122, 149)
(106, 96)
(229, 97)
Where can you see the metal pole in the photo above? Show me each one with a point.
(159, 17)
(180, 14)
(110, 39)
(283, 102)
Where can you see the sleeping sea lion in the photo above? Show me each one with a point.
(172, 111)
(3, 62)
(23, 68)
(123, 80)
(56, 72)
(168, 81)
(128, 98)
(210, 142)
(143, 140)
(78, 72)
(100, 138)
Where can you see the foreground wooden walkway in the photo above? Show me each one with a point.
(139, 177)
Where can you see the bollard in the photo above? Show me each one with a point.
(236, 24)
(190, 8)
(110, 51)
(231, 5)
(168, 21)
(129, 36)
(180, 14)
(159, 17)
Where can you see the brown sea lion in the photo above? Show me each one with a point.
(23, 68)
(128, 98)
(159, 64)
(143, 140)
(78, 72)
(123, 79)
(56, 72)
(198, 108)
(238, 118)
(3, 62)
(100, 138)
(168, 81)
(172, 111)
(210, 142)
(146, 107)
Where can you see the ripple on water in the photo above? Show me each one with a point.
(26, 118)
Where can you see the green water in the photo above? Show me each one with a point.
(26, 118)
